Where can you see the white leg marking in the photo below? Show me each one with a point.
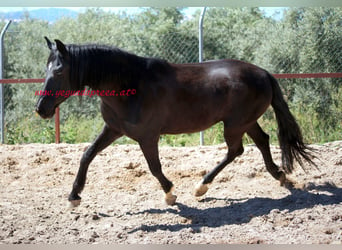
(201, 189)
(170, 198)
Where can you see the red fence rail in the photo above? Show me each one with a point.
(32, 80)
(278, 76)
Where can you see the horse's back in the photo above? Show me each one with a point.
(202, 94)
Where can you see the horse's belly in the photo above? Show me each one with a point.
(184, 130)
(190, 122)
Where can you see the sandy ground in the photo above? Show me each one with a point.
(123, 203)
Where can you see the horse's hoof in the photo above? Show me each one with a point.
(170, 199)
(75, 203)
(201, 189)
(286, 182)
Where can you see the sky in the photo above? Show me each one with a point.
(269, 11)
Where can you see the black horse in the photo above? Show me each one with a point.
(172, 99)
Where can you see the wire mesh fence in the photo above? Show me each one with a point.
(275, 46)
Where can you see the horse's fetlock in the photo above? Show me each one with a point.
(282, 178)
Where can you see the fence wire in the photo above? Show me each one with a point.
(317, 103)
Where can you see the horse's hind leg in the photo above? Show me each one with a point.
(106, 137)
(149, 148)
(235, 149)
(261, 140)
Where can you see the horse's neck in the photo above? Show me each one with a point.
(112, 75)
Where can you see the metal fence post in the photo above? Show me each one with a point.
(200, 54)
(2, 115)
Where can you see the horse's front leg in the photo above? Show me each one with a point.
(106, 137)
(150, 150)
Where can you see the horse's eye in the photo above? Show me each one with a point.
(58, 71)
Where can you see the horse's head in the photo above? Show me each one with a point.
(57, 79)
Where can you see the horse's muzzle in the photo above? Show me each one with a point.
(45, 108)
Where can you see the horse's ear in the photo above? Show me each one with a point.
(61, 47)
(49, 43)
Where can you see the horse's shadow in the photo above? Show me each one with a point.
(243, 210)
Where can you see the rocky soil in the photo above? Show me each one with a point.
(123, 203)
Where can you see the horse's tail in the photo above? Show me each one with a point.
(289, 134)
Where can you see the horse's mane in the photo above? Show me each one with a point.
(94, 64)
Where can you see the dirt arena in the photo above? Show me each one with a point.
(123, 203)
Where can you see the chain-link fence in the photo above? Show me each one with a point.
(277, 47)
(23, 125)
(178, 47)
